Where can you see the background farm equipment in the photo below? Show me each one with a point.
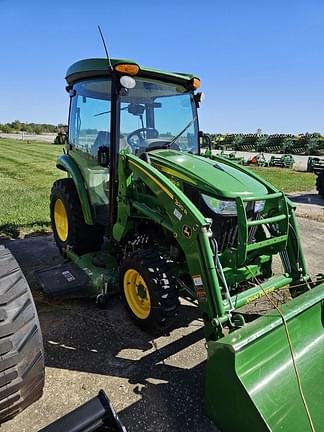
(284, 161)
(258, 160)
(61, 137)
(232, 156)
(303, 144)
(316, 165)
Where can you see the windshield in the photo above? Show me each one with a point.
(153, 114)
(156, 114)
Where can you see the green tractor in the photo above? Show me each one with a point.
(284, 161)
(145, 215)
(316, 165)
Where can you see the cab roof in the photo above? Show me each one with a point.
(94, 67)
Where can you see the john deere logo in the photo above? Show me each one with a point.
(186, 231)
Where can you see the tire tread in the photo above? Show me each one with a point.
(21, 344)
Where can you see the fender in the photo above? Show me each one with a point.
(67, 164)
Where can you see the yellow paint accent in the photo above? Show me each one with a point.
(259, 295)
(174, 173)
(161, 186)
(134, 285)
(61, 220)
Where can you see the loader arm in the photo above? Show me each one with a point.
(172, 209)
(177, 214)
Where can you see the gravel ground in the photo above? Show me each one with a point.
(309, 205)
(47, 137)
(154, 384)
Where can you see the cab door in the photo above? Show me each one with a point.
(89, 130)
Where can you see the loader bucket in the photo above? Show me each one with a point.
(251, 382)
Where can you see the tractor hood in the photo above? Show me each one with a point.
(218, 177)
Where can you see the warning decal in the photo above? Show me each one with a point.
(199, 288)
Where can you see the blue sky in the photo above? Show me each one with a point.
(261, 63)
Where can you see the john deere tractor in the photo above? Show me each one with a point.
(145, 215)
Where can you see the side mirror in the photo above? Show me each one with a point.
(198, 98)
(103, 156)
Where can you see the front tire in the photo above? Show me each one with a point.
(69, 227)
(149, 290)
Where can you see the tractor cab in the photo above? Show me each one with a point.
(130, 109)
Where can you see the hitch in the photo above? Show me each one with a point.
(95, 415)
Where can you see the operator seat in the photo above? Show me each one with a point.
(102, 140)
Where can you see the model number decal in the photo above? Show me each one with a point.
(177, 214)
(181, 206)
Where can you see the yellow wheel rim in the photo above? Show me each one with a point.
(61, 220)
(137, 294)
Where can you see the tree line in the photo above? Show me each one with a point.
(31, 128)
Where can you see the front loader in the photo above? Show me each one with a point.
(145, 215)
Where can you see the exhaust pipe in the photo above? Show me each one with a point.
(95, 415)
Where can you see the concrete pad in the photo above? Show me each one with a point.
(309, 205)
(154, 384)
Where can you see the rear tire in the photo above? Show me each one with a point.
(320, 184)
(21, 344)
(149, 290)
(69, 227)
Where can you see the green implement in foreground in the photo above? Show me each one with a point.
(254, 367)
(146, 215)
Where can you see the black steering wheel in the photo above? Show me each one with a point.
(138, 136)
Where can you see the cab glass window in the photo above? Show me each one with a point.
(90, 115)
(157, 114)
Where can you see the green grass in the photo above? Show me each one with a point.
(287, 180)
(27, 172)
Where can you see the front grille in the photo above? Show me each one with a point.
(225, 228)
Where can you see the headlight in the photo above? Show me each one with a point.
(218, 206)
(259, 206)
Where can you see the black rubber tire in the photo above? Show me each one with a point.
(21, 343)
(320, 184)
(162, 286)
(82, 238)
